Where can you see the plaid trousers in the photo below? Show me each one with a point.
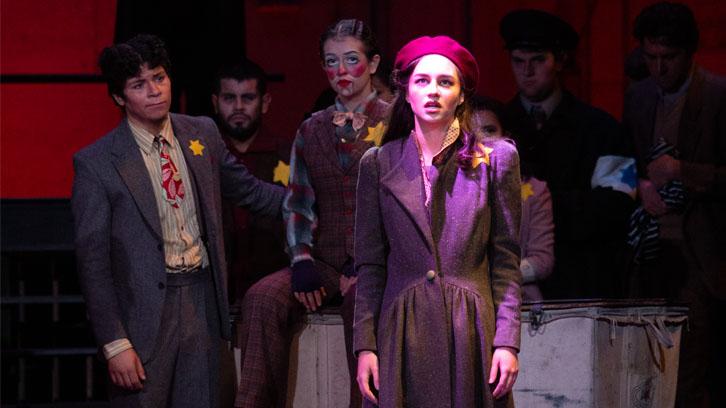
(269, 316)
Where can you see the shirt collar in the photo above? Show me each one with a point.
(362, 107)
(671, 97)
(548, 105)
(145, 139)
(451, 136)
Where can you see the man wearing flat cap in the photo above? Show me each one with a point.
(578, 150)
(676, 118)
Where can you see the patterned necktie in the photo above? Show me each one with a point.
(170, 178)
(538, 115)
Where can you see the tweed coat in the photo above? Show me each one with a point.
(702, 144)
(118, 238)
(435, 298)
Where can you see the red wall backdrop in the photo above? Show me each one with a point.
(41, 125)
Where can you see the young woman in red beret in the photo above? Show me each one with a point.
(436, 245)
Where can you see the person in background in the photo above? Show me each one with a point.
(537, 231)
(437, 245)
(382, 83)
(255, 245)
(677, 120)
(146, 203)
(319, 208)
(578, 150)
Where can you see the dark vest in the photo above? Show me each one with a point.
(335, 186)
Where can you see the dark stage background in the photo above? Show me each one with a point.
(52, 103)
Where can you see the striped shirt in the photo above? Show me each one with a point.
(183, 247)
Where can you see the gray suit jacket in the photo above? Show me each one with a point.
(119, 244)
(702, 143)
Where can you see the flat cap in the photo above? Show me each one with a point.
(536, 29)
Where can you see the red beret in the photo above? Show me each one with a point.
(441, 45)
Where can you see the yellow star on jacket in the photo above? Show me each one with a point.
(281, 173)
(527, 191)
(196, 147)
(375, 134)
(482, 155)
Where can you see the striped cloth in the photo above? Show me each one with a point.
(644, 231)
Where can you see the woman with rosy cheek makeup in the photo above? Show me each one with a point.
(349, 67)
(319, 210)
(436, 243)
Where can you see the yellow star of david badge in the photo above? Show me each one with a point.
(482, 156)
(281, 173)
(527, 191)
(375, 134)
(196, 147)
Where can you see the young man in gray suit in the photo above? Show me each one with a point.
(677, 120)
(147, 208)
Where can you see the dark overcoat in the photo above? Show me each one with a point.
(590, 223)
(436, 297)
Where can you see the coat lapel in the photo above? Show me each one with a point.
(689, 127)
(649, 104)
(325, 134)
(130, 164)
(199, 166)
(405, 182)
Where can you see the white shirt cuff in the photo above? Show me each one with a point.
(115, 347)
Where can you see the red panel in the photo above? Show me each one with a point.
(606, 57)
(284, 40)
(42, 126)
(54, 36)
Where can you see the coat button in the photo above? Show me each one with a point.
(160, 247)
(430, 275)
(161, 285)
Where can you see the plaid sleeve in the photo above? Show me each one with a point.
(300, 218)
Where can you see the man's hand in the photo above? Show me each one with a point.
(367, 367)
(126, 370)
(664, 169)
(652, 201)
(506, 364)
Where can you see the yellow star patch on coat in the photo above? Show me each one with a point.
(375, 134)
(196, 147)
(482, 156)
(527, 191)
(281, 173)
